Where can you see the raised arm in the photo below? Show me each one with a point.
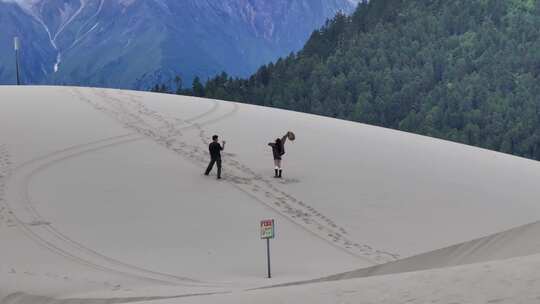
(284, 138)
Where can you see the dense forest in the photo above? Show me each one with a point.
(462, 70)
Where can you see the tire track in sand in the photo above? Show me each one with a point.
(165, 131)
(42, 232)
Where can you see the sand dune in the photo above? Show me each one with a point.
(513, 243)
(102, 200)
(502, 281)
(518, 242)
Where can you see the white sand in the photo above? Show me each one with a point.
(507, 282)
(102, 197)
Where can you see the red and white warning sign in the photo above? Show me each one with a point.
(267, 229)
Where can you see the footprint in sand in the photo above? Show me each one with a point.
(288, 181)
(38, 223)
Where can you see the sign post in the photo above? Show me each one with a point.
(268, 232)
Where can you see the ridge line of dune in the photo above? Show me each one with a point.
(21, 297)
(475, 251)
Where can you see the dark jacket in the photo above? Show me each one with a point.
(215, 150)
(278, 150)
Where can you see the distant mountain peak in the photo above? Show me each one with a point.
(103, 42)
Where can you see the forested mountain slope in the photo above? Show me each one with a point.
(464, 70)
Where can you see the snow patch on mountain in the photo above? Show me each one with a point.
(25, 3)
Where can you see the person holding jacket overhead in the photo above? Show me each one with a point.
(278, 150)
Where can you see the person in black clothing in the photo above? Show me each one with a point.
(278, 149)
(215, 156)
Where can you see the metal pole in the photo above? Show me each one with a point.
(268, 256)
(16, 46)
(17, 63)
